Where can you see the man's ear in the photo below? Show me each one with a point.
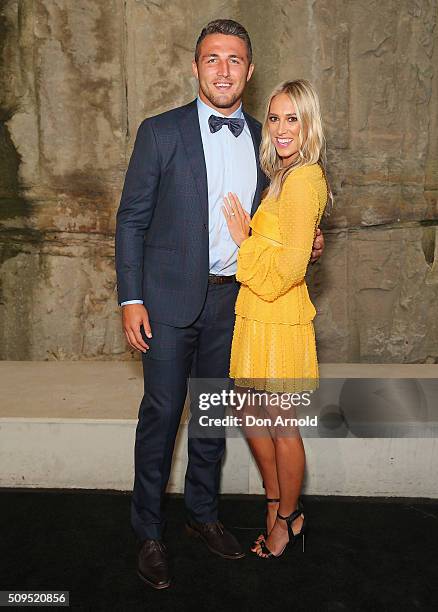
(250, 71)
(195, 68)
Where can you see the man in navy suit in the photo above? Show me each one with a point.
(176, 266)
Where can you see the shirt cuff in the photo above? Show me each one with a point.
(131, 302)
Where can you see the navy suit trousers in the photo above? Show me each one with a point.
(201, 350)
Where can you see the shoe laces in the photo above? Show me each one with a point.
(216, 527)
(159, 544)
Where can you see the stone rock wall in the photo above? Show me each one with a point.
(76, 79)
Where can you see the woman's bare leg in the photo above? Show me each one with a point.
(290, 464)
(262, 448)
(263, 451)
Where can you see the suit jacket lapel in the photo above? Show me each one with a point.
(191, 135)
(256, 139)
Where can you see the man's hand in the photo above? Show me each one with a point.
(133, 316)
(318, 246)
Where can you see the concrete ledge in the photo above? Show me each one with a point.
(113, 390)
(72, 425)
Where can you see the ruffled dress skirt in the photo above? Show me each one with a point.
(274, 357)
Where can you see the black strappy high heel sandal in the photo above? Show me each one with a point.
(293, 537)
(264, 534)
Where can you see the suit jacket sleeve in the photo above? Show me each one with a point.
(137, 204)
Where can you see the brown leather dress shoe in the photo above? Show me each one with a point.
(217, 539)
(152, 564)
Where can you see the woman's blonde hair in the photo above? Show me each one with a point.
(312, 149)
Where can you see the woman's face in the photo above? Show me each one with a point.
(284, 128)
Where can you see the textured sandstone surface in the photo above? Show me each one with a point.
(76, 79)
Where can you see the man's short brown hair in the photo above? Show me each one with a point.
(227, 27)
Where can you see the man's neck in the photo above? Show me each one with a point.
(223, 111)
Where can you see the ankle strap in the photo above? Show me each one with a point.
(290, 519)
(272, 500)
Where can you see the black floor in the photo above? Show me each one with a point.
(361, 554)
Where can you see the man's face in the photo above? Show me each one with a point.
(222, 70)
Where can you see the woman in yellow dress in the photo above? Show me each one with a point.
(273, 346)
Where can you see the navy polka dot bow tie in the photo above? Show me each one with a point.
(234, 125)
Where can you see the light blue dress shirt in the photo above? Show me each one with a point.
(231, 166)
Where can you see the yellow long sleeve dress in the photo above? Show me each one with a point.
(273, 345)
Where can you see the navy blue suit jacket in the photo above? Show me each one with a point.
(162, 222)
